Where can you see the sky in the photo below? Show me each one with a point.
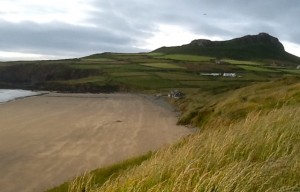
(55, 29)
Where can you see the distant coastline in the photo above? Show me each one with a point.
(7, 95)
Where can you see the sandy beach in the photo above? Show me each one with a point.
(48, 139)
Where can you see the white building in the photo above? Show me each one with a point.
(229, 74)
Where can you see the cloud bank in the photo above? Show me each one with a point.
(58, 29)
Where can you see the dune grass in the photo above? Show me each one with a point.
(235, 105)
(234, 151)
(99, 176)
(259, 153)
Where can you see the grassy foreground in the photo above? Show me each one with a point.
(256, 151)
(260, 153)
(100, 176)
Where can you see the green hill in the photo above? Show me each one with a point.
(253, 47)
(253, 58)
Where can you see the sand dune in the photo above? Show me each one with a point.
(46, 140)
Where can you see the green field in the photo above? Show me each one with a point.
(179, 76)
(179, 57)
(293, 71)
(256, 68)
(129, 74)
(147, 82)
(163, 65)
(238, 62)
(142, 71)
(96, 60)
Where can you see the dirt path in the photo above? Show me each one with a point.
(46, 140)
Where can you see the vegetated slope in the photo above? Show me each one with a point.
(51, 75)
(110, 72)
(235, 105)
(38, 73)
(261, 46)
(258, 151)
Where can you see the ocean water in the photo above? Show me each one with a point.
(12, 94)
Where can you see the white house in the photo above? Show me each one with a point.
(229, 74)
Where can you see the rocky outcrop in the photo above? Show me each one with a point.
(261, 38)
(260, 46)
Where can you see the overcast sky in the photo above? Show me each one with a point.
(51, 29)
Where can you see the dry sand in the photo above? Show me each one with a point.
(46, 140)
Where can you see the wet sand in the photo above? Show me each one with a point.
(48, 139)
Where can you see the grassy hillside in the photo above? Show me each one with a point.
(235, 105)
(254, 47)
(144, 72)
(259, 153)
(249, 142)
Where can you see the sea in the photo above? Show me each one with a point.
(13, 94)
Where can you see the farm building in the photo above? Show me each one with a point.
(229, 74)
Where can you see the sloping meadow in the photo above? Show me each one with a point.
(259, 151)
(233, 106)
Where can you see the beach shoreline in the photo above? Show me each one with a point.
(16, 94)
(48, 139)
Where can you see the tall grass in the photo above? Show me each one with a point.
(250, 141)
(259, 153)
(235, 105)
(99, 176)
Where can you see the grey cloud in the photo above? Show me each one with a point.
(120, 25)
(62, 39)
(223, 18)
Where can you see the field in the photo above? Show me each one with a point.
(238, 62)
(142, 72)
(179, 57)
(152, 72)
(162, 65)
(256, 68)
